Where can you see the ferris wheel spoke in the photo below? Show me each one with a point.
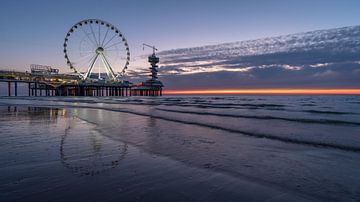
(93, 33)
(87, 52)
(89, 61)
(116, 49)
(86, 41)
(80, 64)
(81, 53)
(99, 34)
(109, 40)
(120, 50)
(83, 58)
(107, 31)
(112, 45)
(86, 34)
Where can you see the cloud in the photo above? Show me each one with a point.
(320, 65)
(326, 73)
(274, 77)
(289, 67)
(319, 59)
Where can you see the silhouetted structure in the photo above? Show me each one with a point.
(151, 87)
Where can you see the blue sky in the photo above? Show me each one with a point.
(33, 31)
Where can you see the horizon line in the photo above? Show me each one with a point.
(275, 91)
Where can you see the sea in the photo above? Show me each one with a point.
(180, 148)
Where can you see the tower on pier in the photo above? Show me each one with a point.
(152, 86)
(153, 81)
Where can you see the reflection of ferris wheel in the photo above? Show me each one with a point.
(95, 48)
(91, 156)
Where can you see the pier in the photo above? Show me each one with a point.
(46, 81)
(48, 84)
(66, 85)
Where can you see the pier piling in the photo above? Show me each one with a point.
(9, 88)
(16, 88)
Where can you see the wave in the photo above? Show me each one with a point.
(328, 112)
(247, 133)
(315, 121)
(291, 140)
(189, 102)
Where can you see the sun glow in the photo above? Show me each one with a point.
(268, 91)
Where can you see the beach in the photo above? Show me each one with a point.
(180, 148)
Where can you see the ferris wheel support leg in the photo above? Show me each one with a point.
(91, 67)
(108, 67)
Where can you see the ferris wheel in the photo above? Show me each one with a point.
(96, 49)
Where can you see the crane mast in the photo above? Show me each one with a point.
(149, 46)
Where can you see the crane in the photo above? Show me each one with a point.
(153, 47)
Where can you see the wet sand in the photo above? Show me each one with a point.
(87, 153)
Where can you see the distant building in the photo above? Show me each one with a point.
(43, 70)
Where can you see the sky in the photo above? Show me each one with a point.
(33, 32)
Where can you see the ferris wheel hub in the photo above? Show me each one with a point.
(99, 50)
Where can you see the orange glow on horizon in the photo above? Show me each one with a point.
(267, 91)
